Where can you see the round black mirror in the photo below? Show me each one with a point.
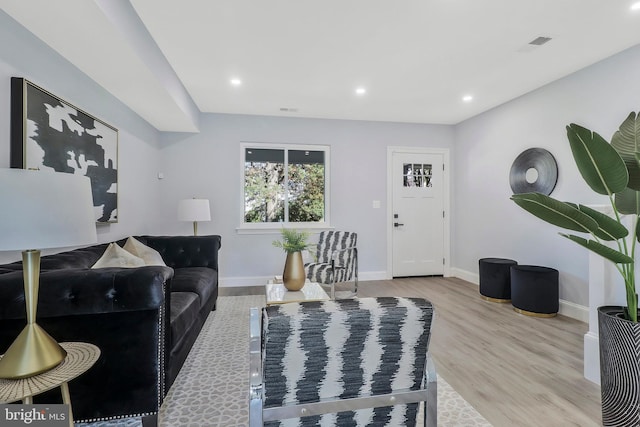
(534, 170)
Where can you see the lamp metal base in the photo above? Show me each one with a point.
(33, 352)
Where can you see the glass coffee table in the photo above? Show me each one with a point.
(276, 293)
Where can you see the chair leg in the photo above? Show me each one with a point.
(355, 287)
(333, 279)
(355, 271)
(431, 405)
(150, 421)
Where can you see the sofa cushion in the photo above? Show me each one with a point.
(149, 256)
(115, 256)
(201, 280)
(184, 311)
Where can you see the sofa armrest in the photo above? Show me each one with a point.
(186, 251)
(123, 312)
(69, 292)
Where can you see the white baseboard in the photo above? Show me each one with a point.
(575, 311)
(567, 308)
(234, 282)
(466, 275)
(372, 275)
(592, 357)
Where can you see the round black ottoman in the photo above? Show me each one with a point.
(534, 290)
(495, 281)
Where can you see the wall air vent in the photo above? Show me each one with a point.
(539, 41)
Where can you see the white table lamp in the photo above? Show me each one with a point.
(194, 210)
(40, 210)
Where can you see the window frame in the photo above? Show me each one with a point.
(272, 227)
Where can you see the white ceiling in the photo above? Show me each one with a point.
(416, 58)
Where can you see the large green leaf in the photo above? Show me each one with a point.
(628, 202)
(608, 228)
(598, 162)
(555, 212)
(602, 250)
(626, 142)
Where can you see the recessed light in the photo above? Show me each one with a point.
(360, 91)
(236, 82)
(635, 6)
(467, 98)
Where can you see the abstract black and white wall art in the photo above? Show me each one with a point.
(48, 133)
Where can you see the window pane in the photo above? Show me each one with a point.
(263, 185)
(407, 175)
(427, 170)
(306, 186)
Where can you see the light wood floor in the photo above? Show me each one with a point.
(515, 370)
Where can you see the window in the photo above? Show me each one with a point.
(285, 184)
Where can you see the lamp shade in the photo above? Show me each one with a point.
(194, 210)
(41, 209)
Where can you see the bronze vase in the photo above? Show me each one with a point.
(293, 276)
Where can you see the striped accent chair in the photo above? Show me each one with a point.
(336, 260)
(351, 362)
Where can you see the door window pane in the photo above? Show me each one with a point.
(417, 175)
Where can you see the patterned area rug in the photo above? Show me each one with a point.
(212, 387)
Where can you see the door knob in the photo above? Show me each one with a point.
(397, 224)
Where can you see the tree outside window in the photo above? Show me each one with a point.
(285, 184)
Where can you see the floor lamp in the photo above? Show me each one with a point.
(40, 210)
(194, 210)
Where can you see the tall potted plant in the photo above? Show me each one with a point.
(293, 242)
(611, 169)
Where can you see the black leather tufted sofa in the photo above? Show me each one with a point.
(144, 320)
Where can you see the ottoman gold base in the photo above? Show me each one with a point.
(494, 299)
(532, 314)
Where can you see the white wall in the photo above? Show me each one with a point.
(208, 165)
(487, 223)
(24, 55)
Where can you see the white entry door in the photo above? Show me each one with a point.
(418, 214)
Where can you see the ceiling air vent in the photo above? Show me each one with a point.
(539, 41)
(534, 44)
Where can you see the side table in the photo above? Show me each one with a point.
(80, 357)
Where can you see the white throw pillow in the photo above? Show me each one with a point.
(139, 249)
(115, 256)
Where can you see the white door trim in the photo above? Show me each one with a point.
(446, 202)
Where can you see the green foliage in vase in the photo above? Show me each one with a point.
(292, 240)
(613, 170)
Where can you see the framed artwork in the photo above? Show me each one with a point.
(48, 133)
